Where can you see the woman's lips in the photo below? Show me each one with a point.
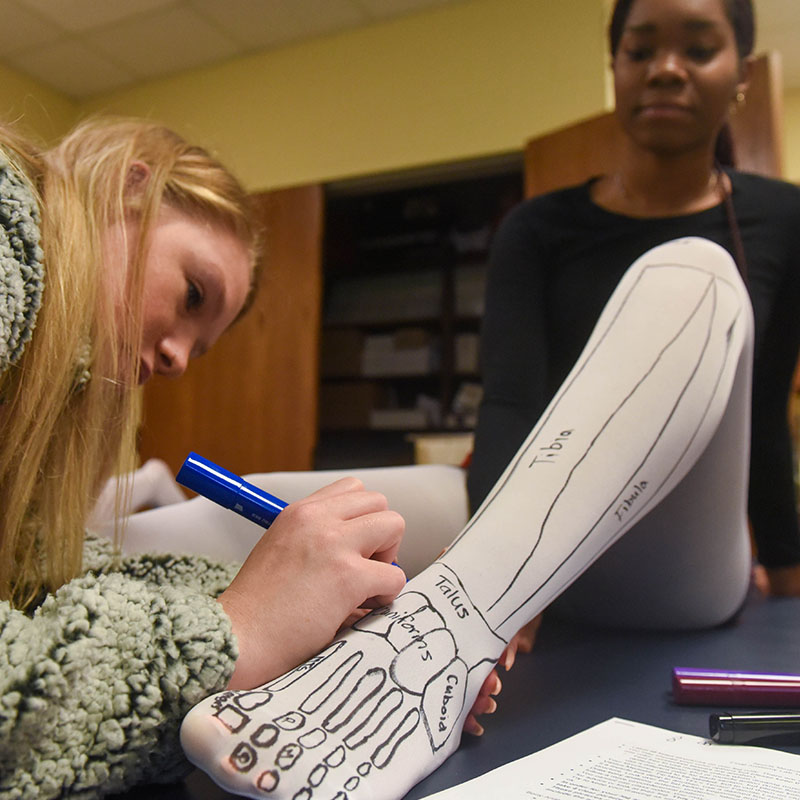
(666, 110)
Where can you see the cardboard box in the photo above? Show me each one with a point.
(407, 351)
(442, 448)
(467, 352)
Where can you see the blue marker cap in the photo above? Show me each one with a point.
(229, 490)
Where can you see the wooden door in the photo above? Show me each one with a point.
(590, 147)
(250, 404)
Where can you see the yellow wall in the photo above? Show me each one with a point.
(465, 80)
(791, 115)
(41, 111)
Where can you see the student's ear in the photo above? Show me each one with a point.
(137, 177)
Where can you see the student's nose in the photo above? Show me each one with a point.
(172, 357)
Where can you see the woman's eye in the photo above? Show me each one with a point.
(700, 53)
(639, 53)
(194, 297)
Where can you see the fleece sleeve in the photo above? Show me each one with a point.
(94, 685)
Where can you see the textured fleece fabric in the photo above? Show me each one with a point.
(94, 684)
(21, 270)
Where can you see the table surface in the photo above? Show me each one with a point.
(578, 676)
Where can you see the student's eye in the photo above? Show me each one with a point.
(194, 296)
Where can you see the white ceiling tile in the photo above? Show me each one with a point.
(164, 42)
(30, 29)
(82, 15)
(267, 23)
(72, 68)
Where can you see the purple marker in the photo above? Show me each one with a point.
(708, 687)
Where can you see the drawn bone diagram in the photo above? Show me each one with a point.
(383, 705)
(626, 426)
(429, 648)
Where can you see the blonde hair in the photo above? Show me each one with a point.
(69, 419)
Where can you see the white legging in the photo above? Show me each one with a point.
(648, 435)
(649, 432)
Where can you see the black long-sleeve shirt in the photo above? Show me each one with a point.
(555, 262)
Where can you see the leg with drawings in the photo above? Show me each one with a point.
(384, 704)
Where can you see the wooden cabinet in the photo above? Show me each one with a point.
(405, 271)
(251, 403)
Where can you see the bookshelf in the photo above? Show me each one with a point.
(404, 270)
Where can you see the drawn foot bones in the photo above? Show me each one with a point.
(408, 672)
(384, 705)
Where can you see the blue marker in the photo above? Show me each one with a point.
(229, 490)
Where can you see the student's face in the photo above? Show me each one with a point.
(196, 280)
(676, 73)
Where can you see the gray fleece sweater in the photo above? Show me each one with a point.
(94, 685)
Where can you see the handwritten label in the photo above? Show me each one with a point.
(630, 501)
(449, 694)
(451, 592)
(549, 453)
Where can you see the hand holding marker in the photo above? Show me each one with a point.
(230, 491)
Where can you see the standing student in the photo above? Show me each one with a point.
(680, 68)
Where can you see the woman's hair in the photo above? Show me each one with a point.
(741, 15)
(69, 412)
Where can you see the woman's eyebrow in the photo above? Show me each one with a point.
(693, 25)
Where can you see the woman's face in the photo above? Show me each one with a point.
(676, 73)
(196, 280)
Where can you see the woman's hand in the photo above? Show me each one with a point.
(521, 642)
(323, 558)
(778, 581)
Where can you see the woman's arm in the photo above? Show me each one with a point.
(514, 359)
(772, 497)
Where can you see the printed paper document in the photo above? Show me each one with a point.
(622, 760)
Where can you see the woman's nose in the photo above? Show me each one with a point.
(667, 66)
(173, 358)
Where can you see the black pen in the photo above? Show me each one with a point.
(755, 728)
